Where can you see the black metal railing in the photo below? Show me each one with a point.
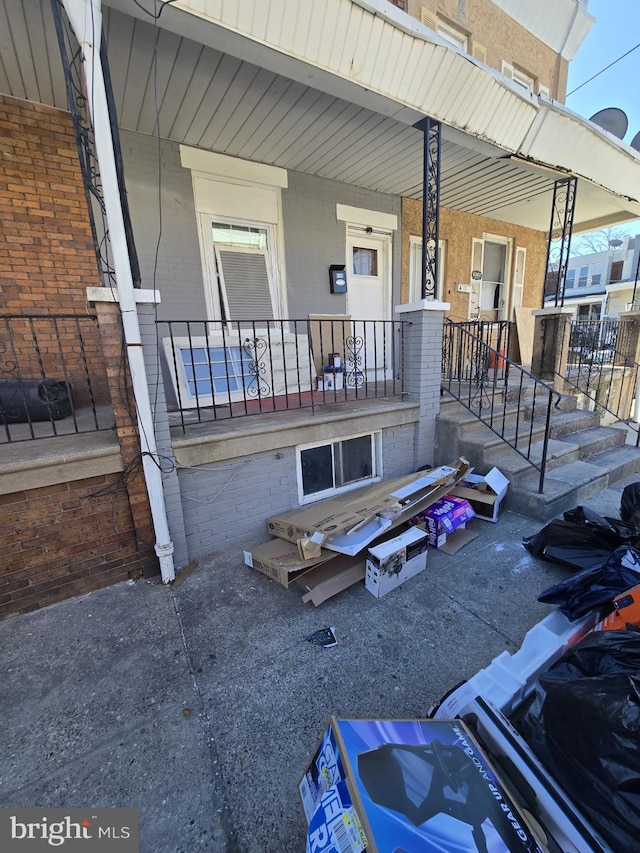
(235, 369)
(52, 377)
(599, 370)
(592, 338)
(466, 336)
(507, 398)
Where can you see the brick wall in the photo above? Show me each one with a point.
(47, 258)
(65, 540)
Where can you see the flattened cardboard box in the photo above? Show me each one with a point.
(385, 786)
(351, 521)
(484, 493)
(281, 561)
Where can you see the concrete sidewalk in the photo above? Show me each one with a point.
(200, 704)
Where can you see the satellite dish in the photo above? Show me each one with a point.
(612, 119)
(635, 142)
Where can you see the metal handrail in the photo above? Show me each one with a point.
(477, 375)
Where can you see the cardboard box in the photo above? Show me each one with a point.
(484, 493)
(391, 563)
(351, 521)
(443, 519)
(387, 786)
(281, 561)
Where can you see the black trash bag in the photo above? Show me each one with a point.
(584, 725)
(595, 588)
(581, 539)
(630, 505)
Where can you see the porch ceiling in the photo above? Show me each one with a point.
(220, 102)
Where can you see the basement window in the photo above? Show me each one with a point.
(334, 467)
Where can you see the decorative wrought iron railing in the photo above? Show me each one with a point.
(52, 377)
(460, 343)
(225, 370)
(506, 397)
(600, 372)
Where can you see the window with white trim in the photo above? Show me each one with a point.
(415, 269)
(337, 466)
(520, 76)
(244, 271)
(583, 276)
(570, 280)
(446, 30)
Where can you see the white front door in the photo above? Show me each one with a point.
(369, 298)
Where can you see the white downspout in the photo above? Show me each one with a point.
(86, 20)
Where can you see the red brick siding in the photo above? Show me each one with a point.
(47, 258)
(64, 540)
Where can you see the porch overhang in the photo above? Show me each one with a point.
(334, 90)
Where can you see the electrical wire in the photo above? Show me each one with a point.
(610, 65)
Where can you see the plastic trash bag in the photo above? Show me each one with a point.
(630, 505)
(584, 725)
(595, 588)
(582, 538)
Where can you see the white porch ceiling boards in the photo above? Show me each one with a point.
(210, 99)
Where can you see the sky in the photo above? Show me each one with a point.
(616, 30)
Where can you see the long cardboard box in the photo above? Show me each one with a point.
(350, 522)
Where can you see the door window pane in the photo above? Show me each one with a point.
(365, 261)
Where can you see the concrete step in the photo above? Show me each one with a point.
(566, 423)
(596, 440)
(564, 488)
(620, 462)
(516, 468)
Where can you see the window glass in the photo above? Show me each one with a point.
(239, 235)
(365, 261)
(571, 278)
(225, 369)
(353, 460)
(584, 275)
(596, 275)
(335, 466)
(317, 469)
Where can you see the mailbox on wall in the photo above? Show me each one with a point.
(338, 278)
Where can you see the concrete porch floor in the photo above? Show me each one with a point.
(200, 704)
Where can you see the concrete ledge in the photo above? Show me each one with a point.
(235, 438)
(50, 461)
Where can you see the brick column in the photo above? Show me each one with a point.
(124, 411)
(551, 345)
(628, 344)
(423, 370)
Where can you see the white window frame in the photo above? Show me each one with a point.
(214, 274)
(376, 462)
(224, 189)
(415, 269)
(521, 78)
(453, 35)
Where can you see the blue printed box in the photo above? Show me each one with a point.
(409, 785)
(443, 518)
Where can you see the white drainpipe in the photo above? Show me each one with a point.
(86, 20)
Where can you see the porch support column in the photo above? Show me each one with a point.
(431, 130)
(550, 354)
(560, 231)
(628, 344)
(423, 371)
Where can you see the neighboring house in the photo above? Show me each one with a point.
(274, 176)
(601, 284)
